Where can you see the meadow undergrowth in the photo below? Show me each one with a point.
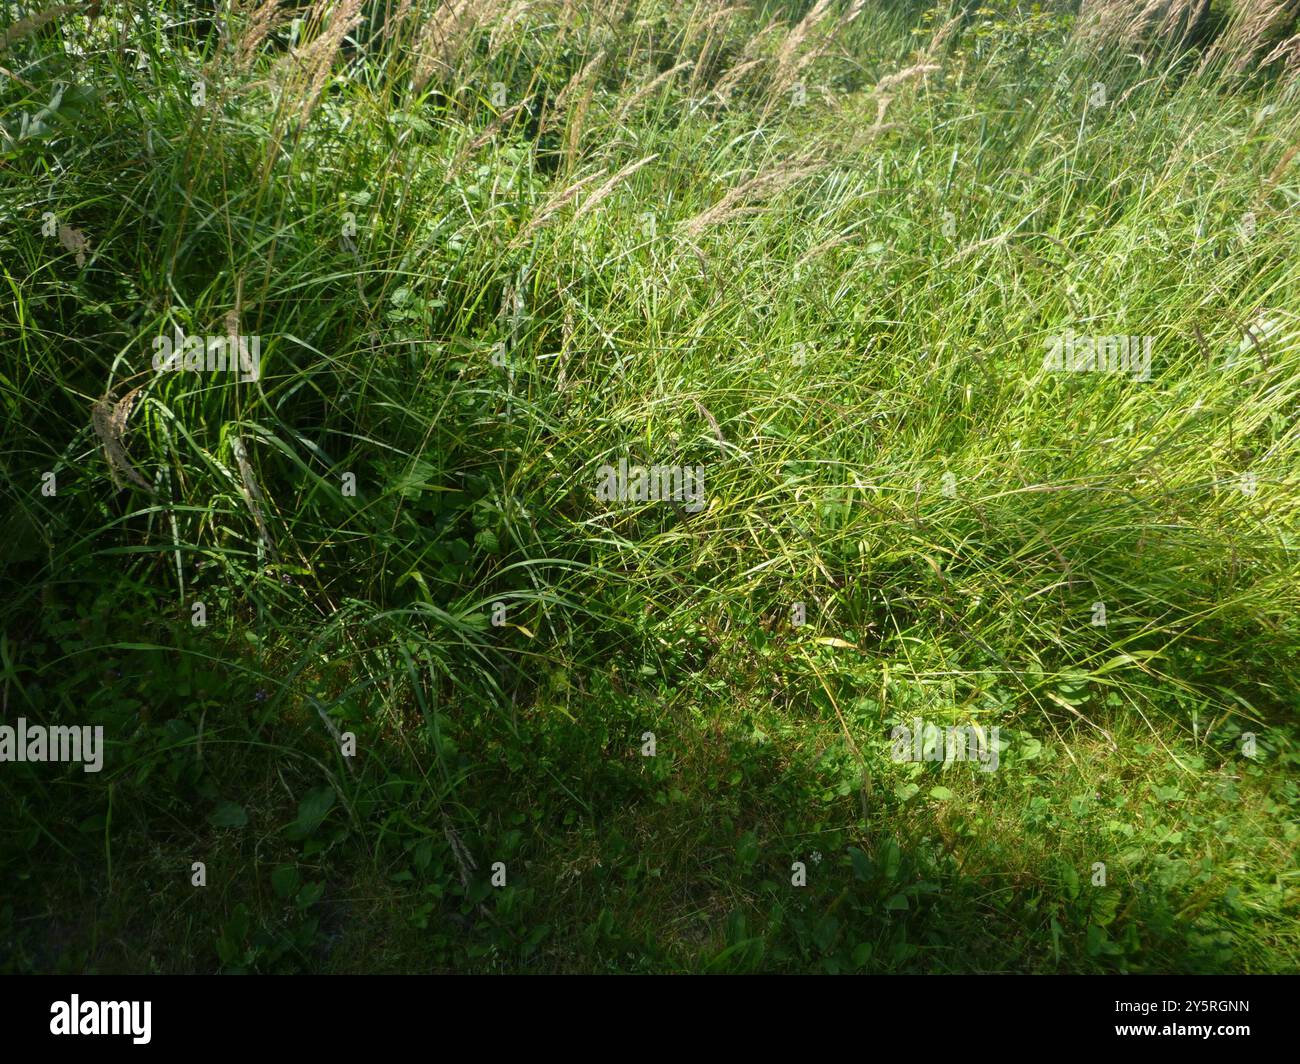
(820, 252)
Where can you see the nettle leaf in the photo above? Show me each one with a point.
(312, 811)
(284, 880)
(1073, 687)
(310, 894)
(892, 858)
(228, 815)
(1105, 905)
(747, 849)
(863, 867)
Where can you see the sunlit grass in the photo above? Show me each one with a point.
(566, 248)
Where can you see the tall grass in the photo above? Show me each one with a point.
(816, 249)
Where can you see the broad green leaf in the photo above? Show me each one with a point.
(228, 815)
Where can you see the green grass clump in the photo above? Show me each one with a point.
(817, 251)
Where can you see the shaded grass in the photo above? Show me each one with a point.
(839, 310)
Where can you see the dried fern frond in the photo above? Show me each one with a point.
(788, 60)
(74, 240)
(252, 494)
(742, 198)
(318, 57)
(1253, 30)
(108, 418)
(892, 81)
(449, 28)
(259, 26)
(650, 87)
(608, 187)
(26, 26)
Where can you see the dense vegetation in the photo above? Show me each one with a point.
(487, 248)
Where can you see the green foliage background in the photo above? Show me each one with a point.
(506, 319)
